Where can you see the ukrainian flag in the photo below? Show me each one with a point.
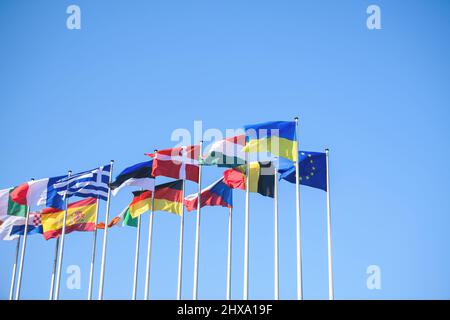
(275, 137)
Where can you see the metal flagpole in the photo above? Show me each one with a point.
(22, 254)
(94, 247)
(61, 245)
(247, 188)
(13, 276)
(55, 259)
(230, 220)
(180, 254)
(149, 247)
(197, 227)
(297, 205)
(105, 237)
(330, 264)
(136, 257)
(275, 226)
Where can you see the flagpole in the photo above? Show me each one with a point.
(230, 220)
(105, 237)
(180, 254)
(61, 245)
(55, 259)
(330, 263)
(297, 205)
(94, 247)
(14, 271)
(149, 247)
(247, 190)
(275, 226)
(22, 254)
(197, 227)
(136, 258)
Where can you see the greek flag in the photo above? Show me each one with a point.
(92, 183)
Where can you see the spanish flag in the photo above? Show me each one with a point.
(275, 137)
(261, 180)
(80, 217)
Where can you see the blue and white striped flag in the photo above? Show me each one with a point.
(92, 183)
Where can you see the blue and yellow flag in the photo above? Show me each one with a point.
(275, 137)
(312, 169)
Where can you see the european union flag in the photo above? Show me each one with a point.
(313, 169)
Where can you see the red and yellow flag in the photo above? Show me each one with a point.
(80, 217)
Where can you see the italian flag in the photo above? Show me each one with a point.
(226, 153)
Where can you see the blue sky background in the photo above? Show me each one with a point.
(74, 99)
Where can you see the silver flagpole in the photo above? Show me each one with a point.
(197, 227)
(180, 254)
(52, 280)
(247, 188)
(13, 276)
(136, 258)
(105, 237)
(275, 226)
(230, 224)
(94, 247)
(61, 245)
(330, 263)
(22, 254)
(297, 205)
(149, 246)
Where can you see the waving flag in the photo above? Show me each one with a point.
(217, 194)
(123, 219)
(276, 138)
(87, 184)
(177, 163)
(139, 175)
(39, 193)
(34, 225)
(262, 178)
(80, 217)
(9, 207)
(226, 153)
(6, 226)
(312, 170)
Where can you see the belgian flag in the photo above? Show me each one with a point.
(261, 179)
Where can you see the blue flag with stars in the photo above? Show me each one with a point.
(313, 169)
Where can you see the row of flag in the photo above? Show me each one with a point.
(253, 162)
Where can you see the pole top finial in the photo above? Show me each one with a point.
(327, 150)
(296, 118)
(156, 150)
(69, 171)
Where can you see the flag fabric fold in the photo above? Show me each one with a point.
(217, 194)
(176, 163)
(138, 175)
(225, 153)
(276, 138)
(261, 179)
(312, 170)
(80, 217)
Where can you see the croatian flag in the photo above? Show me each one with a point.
(217, 194)
(34, 225)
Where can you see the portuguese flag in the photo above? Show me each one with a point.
(9, 207)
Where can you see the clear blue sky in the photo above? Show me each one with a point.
(74, 99)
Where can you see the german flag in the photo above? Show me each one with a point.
(261, 180)
(168, 198)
